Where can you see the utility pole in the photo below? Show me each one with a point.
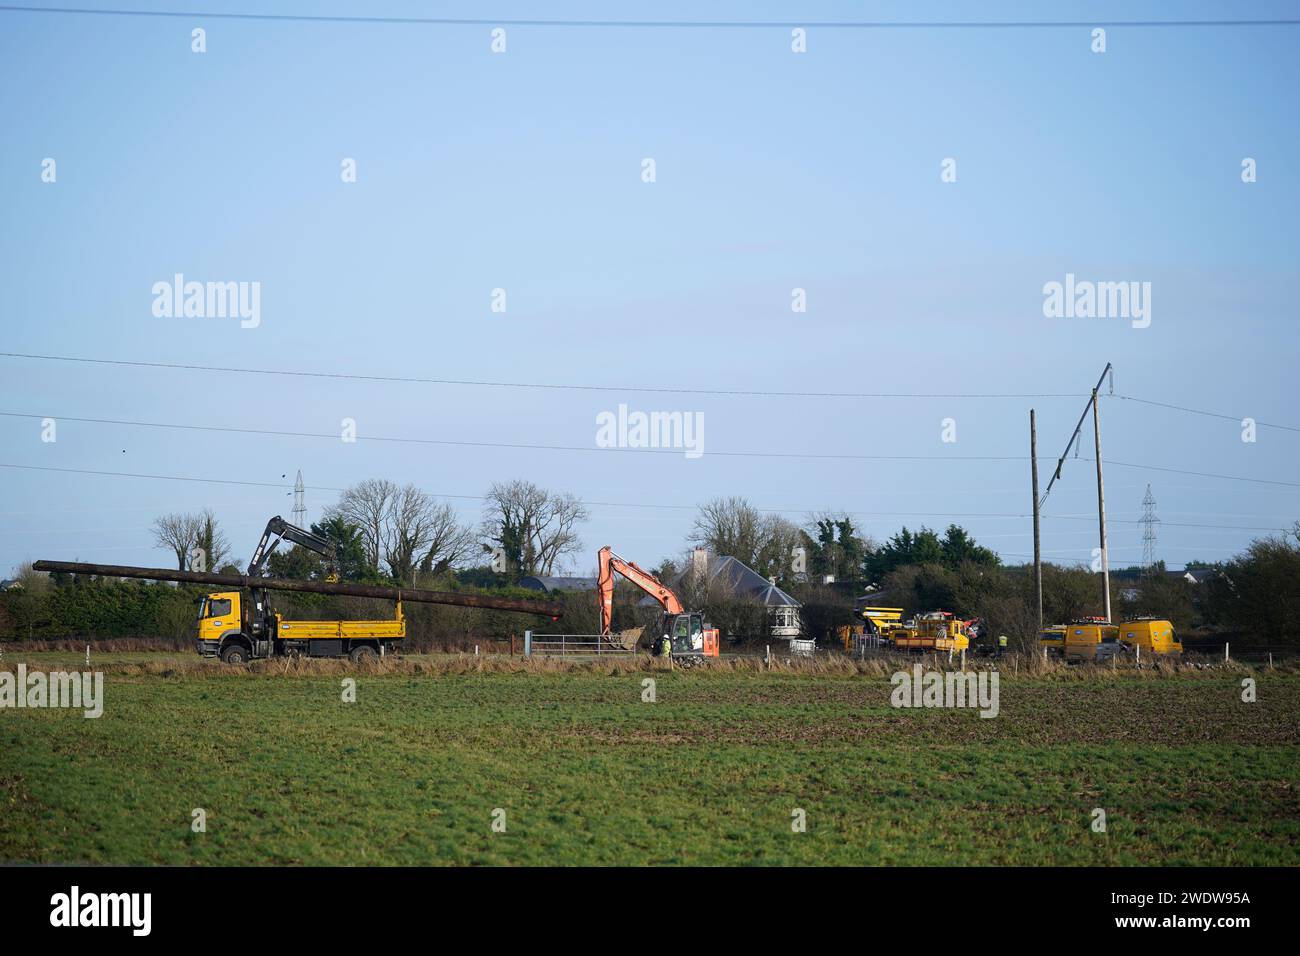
(1038, 555)
(1101, 488)
(1101, 508)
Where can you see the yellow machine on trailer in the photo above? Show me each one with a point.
(936, 631)
(876, 625)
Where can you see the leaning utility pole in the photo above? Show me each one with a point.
(1038, 554)
(1101, 488)
(1101, 509)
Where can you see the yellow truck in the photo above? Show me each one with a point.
(237, 626)
(936, 631)
(1152, 635)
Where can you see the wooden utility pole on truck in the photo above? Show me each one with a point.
(489, 602)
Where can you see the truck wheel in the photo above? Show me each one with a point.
(234, 654)
(365, 654)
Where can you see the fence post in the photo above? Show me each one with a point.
(1225, 652)
(528, 643)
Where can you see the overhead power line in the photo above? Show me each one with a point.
(660, 389)
(334, 436)
(1197, 411)
(662, 24)
(630, 504)
(420, 380)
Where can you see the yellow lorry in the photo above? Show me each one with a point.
(936, 631)
(238, 626)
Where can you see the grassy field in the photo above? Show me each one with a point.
(589, 774)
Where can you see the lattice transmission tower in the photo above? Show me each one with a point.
(1149, 522)
(299, 502)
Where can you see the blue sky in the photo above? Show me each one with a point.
(775, 170)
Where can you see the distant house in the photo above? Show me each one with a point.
(723, 577)
(10, 584)
(550, 585)
(1126, 579)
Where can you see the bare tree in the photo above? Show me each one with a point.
(367, 505)
(404, 528)
(535, 528)
(450, 541)
(733, 526)
(210, 540)
(182, 533)
(177, 532)
(422, 533)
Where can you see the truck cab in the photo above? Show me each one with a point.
(220, 623)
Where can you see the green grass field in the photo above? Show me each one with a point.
(589, 774)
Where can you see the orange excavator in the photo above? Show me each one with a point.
(686, 637)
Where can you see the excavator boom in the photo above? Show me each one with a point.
(609, 562)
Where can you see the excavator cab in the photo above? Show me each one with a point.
(689, 637)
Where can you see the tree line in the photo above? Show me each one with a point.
(384, 532)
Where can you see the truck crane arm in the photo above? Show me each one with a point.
(281, 530)
(647, 582)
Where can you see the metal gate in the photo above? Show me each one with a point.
(573, 646)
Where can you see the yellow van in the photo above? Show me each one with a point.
(1092, 639)
(1052, 640)
(1152, 635)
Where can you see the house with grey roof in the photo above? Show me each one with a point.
(722, 579)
